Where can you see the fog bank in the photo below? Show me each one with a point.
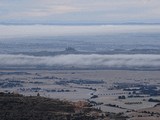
(120, 60)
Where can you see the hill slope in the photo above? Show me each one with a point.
(19, 107)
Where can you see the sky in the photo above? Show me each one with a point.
(79, 11)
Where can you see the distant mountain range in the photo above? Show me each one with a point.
(71, 50)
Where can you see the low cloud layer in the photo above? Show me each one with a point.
(47, 30)
(120, 60)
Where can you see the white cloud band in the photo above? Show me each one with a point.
(119, 60)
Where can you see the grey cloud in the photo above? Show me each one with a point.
(85, 10)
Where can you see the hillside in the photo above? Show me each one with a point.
(19, 107)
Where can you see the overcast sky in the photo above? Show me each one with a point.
(79, 11)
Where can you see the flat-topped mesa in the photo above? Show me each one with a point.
(70, 49)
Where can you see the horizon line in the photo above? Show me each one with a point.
(74, 24)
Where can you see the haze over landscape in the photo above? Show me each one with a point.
(80, 60)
